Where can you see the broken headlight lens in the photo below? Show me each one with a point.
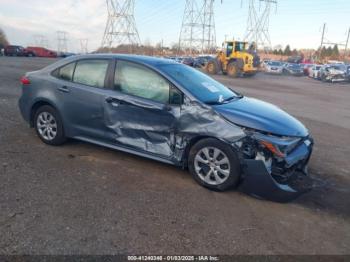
(279, 146)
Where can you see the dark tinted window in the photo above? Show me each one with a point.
(91, 72)
(138, 80)
(65, 72)
(203, 87)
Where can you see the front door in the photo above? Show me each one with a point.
(141, 112)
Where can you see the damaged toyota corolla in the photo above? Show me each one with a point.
(173, 113)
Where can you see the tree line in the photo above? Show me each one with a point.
(329, 52)
(3, 39)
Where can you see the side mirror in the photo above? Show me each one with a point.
(175, 96)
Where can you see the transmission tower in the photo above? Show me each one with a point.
(40, 40)
(84, 45)
(121, 25)
(62, 42)
(258, 23)
(198, 27)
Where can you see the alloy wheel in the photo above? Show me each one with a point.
(47, 126)
(212, 165)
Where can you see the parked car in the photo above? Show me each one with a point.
(348, 72)
(274, 67)
(201, 61)
(314, 71)
(188, 61)
(16, 50)
(333, 73)
(163, 110)
(293, 69)
(42, 52)
(264, 63)
(306, 68)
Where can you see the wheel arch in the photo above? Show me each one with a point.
(191, 143)
(36, 105)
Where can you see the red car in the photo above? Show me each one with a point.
(42, 52)
(16, 50)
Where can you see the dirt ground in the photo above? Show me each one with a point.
(84, 199)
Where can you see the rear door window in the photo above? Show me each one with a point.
(91, 72)
(66, 72)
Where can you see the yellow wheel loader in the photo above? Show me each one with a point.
(236, 59)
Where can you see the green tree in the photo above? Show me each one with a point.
(287, 51)
(329, 51)
(295, 52)
(335, 51)
(3, 39)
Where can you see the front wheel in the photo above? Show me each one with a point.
(214, 164)
(212, 67)
(233, 70)
(49, 126)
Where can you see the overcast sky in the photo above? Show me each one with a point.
(296, 22)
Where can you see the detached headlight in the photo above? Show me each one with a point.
(279, 146)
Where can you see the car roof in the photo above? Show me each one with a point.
(148, 60)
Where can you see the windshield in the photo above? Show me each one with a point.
(294, 66)
(239, 46)
(203, 87)
(338, 67)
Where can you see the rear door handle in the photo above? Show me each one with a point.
(63, 89)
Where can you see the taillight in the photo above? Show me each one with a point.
(25, 81)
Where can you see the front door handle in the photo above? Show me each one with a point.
(112, 100)
(63, 89)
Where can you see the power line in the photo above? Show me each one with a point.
(325, 41)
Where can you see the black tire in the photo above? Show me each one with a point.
(59, 138)
(212, 67)
(233, 70)
(235, 169)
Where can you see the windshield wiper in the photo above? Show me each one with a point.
(226, 100)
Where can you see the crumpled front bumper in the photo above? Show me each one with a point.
(258, 182)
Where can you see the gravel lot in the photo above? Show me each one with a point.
(85, 199)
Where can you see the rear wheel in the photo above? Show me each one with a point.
(214, 165)
(212, 67)
(49, 126)
(233, 69)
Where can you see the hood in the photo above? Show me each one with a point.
(256, 114)
(336, 72)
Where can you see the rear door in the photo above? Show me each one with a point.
(81, 87)
(142, 111)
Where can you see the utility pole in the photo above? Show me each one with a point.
(258, 23)
(325, 41)
(198, 27)
(62, 40)
(323, 31)
(121, 25)
(347, 42)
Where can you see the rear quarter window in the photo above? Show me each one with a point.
(65, 72)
